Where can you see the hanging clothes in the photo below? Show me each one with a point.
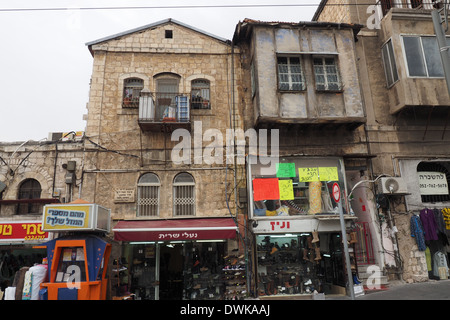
(439, 220)
(429, 224)
(428, 259)
(440, 261)
(417, 232)
(446, 216)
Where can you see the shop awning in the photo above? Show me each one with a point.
(175, 229)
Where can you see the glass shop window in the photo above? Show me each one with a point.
(296, 186)
(71, 262)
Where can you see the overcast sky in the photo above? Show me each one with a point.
(46, 66)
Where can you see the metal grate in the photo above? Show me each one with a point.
(148, 201)
(131, 91)
(184, 200)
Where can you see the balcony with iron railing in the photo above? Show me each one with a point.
(163, 111)
(384, 6)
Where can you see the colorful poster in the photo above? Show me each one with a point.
(265, 189)
(286, 189)
(286, 170)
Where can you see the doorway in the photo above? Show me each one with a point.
(171, 272)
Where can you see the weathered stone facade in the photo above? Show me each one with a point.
(147, 54)
(406, 120)
(45, 162)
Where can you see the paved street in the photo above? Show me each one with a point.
(431, 290)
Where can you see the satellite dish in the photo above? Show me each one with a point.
(391, 185)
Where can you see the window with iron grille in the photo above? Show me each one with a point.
(326, 74)
(290, 74)
(184, 195)
(132, 88)
(148, 195)
(29, 189)
(200, 98)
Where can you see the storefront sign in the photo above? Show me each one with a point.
(72, 217)
(432, 183)
(12, 231)
(266, 226)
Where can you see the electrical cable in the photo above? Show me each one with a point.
(219, 6)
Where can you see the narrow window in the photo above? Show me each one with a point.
(200, 94)
(326, 74)
(390, 66)
(148, 195)
(290, 75)
(168, 34)
(184, 195)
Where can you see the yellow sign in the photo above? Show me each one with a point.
(308, 174)
(286, 189)
(318, 174)
(67, 217)
(328, 174)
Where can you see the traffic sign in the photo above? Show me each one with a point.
(336, 192)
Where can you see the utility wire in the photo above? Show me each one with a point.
(221, 6)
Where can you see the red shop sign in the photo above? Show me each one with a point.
(11, 231)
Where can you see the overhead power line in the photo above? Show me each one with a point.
(161, 7)
(175, 7)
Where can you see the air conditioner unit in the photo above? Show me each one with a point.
(392, 185)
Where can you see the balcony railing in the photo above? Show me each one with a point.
(385, 5)
(162, 111)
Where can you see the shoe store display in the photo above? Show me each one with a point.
(293, 265)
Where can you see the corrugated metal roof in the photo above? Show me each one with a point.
(242, 28)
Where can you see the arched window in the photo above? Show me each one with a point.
(183, 195)
(29, 190)
(167, 88)
(132, 88)
(200, 97)
(148, 195)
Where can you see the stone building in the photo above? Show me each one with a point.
(161, 101)
(33, 174)
(302, 81)
(407, 107)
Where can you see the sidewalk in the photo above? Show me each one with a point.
(430, 290)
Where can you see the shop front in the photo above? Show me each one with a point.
(179, 259)
(17, 239)
(295, 221)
